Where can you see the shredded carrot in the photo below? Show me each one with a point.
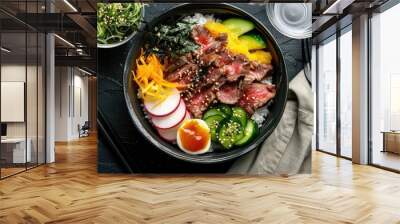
(149, 77)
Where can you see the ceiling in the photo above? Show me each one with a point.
(15, 42)
(330, 15)
(74, 22)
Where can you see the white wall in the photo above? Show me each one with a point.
(15, 73)
(12, 73)
(71, 93)
(33, 126)
(61, 103)
(13, 101)
(80, 110)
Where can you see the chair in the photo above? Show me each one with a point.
(84, 130)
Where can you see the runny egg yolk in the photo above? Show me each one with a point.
(193, 136)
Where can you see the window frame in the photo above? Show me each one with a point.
(334, 37)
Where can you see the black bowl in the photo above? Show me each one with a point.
(276, 108)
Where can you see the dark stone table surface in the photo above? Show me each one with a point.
(139, 155)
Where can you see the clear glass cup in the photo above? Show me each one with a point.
(291, 19)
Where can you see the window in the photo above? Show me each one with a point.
(22, 101)
(346, 75)
(385, 89)
(327, 96)
(334, 109)
(15, 147)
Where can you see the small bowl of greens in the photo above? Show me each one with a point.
(117, 23)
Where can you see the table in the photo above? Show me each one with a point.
(391, 141)
(13, 150)
(143, 157)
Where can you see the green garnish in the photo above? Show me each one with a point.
(175, 40)
(213, 123)
(250, 132)
(230, 126)
(116, 21)
(230, 132)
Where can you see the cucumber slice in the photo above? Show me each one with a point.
(238, 26)
(250, 132)
(240, 115)
(213, 112)
(253, 41)
(213, 123)
(225, 109)
(230, 132)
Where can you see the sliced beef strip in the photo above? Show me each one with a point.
(219, 83)
(212, 76)
(202, 82)
(216, 45)
(199, 102)
(234, 70)
(201, 91)
(207, 42)
(201, 35)
(209, 59)
(229, 93)
(256, 95)
(223, 59)
(256, 72)
(173, 64)
(215, 59)
(184, 75)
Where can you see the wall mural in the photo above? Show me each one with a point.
(204, 88)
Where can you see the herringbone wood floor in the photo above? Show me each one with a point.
(71, 191)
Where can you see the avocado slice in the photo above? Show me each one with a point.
(238, 26)
(253, 41)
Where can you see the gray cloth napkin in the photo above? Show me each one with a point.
(287, 150)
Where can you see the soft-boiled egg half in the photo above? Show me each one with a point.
(194, 137)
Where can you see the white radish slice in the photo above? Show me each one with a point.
(166, 107)
(172, 119)
(170, 133)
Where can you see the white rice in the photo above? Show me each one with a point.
(199, 19)
(267, 80)
(260, 115)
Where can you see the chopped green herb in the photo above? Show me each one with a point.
(116, 21)
(174, 40)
